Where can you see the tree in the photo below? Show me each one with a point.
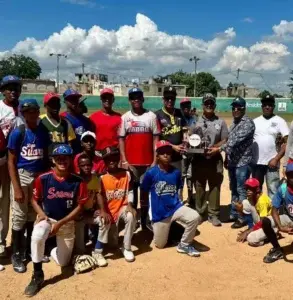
(22, 66)
(290, 85)
(264, 94)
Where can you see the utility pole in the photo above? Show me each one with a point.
(195, 59)
(238, 71)
(58, 55)
(82, 67)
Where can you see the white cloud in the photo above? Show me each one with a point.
(283, 31)
(81, 2)
(248, 20)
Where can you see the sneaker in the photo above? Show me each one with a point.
(238, 224)
(3, 252)
(188, 249)
(46, 259)
(273, 255)
(128, 255)
(35, 284)
(100, 259)
(17, 263)
(215, 221)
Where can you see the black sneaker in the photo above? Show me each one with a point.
(35, 284)
(238, 224)
(273, 255)
(17, 263)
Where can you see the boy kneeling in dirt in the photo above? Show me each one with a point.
(164, 184)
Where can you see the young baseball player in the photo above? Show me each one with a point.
(117, 196)
(163, 182)
(27, 158)
(58, 199)
(91, 215)
(254, 208)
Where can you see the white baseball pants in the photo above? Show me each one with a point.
(64, 237)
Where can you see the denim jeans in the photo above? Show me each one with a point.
(272, 176)
(238, 176)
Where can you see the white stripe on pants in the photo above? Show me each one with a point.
(64, 237)
(4, 202)
(257, 237)
(186, 217)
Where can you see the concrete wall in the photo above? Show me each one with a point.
(38, 86)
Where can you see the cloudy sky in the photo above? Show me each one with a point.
(130, 39)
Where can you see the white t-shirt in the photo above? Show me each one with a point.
(266, 131)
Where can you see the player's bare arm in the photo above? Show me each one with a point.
(103, 213)
(13, 173)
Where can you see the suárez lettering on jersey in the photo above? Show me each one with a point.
(162, 188)
(30, 152)
(52, 194)
(116, 194)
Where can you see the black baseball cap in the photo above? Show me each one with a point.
(110, 151)
(169, 91)
(268, 98)
(239, 101)
(208, 97)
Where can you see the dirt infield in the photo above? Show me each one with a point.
(225, 270)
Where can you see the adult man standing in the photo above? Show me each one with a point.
(266, 157)
(190, 120)
(239, 155)
(208, 168)
(138, 135)
(10, 87)
(106, 121)
(171, 123)
(75, 115)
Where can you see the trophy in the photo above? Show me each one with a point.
(198, 142)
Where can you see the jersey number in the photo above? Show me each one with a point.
(69, 203)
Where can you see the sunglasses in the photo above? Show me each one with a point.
(170, 98)
(238, 108)
(268, 104)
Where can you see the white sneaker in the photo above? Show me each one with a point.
(100, 259)
(128, 255)
(3, 251)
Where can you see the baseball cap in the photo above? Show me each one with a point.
(268, 98)
(208, 97)
(109, 151)
(289, 167)
(88, 133)
(62, 149)
(71, 92)
(185, 100)
(169, 90)
(107, 91)
(29, 104)
(135, 90)
(161, 144)
(49, 96)
(9, 79)
(252, 183)
(238, 101)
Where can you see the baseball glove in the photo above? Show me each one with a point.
(84, 263)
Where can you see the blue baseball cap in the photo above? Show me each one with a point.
(289, 168)
(62, 149)
(27, 104)
(238, 101)
(70, 92)
(135, 90)
(9, 79)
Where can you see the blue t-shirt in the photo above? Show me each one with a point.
(284, 198)
(80, 124)
(163, 187)
(29, 148)
(59, 197)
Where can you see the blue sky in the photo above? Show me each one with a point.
(205, 25)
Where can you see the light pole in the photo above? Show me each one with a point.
(58, 55)
(195, 59)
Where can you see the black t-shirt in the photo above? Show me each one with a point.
(171, 128)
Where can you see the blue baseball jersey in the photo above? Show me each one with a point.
(29, 147)
(284, 198)
(80, 124)
(163, 188)
(59, 197)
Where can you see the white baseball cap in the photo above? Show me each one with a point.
(88, 133)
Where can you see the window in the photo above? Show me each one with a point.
(159, 90)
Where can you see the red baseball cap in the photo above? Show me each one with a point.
(106, 91)
(49, 96)
(161, 144)
(185, 100)
(252, 183)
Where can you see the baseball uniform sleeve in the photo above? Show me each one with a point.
(289, 146)
(75, 164)
(2, 141)
(70, 132)
(82, 194)
(155, 125)
(224, 131)
(278, 199)
(122, 127)
(14, 140)
(179, 181)
(284, 129)
(38, 190)
(146, 182)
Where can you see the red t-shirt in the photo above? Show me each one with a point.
(99, 166)
(106, 128)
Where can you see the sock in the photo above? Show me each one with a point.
(99, 246)
(270, 233)
(38, 267)
(17, 236)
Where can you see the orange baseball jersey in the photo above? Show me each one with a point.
(114, 189)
